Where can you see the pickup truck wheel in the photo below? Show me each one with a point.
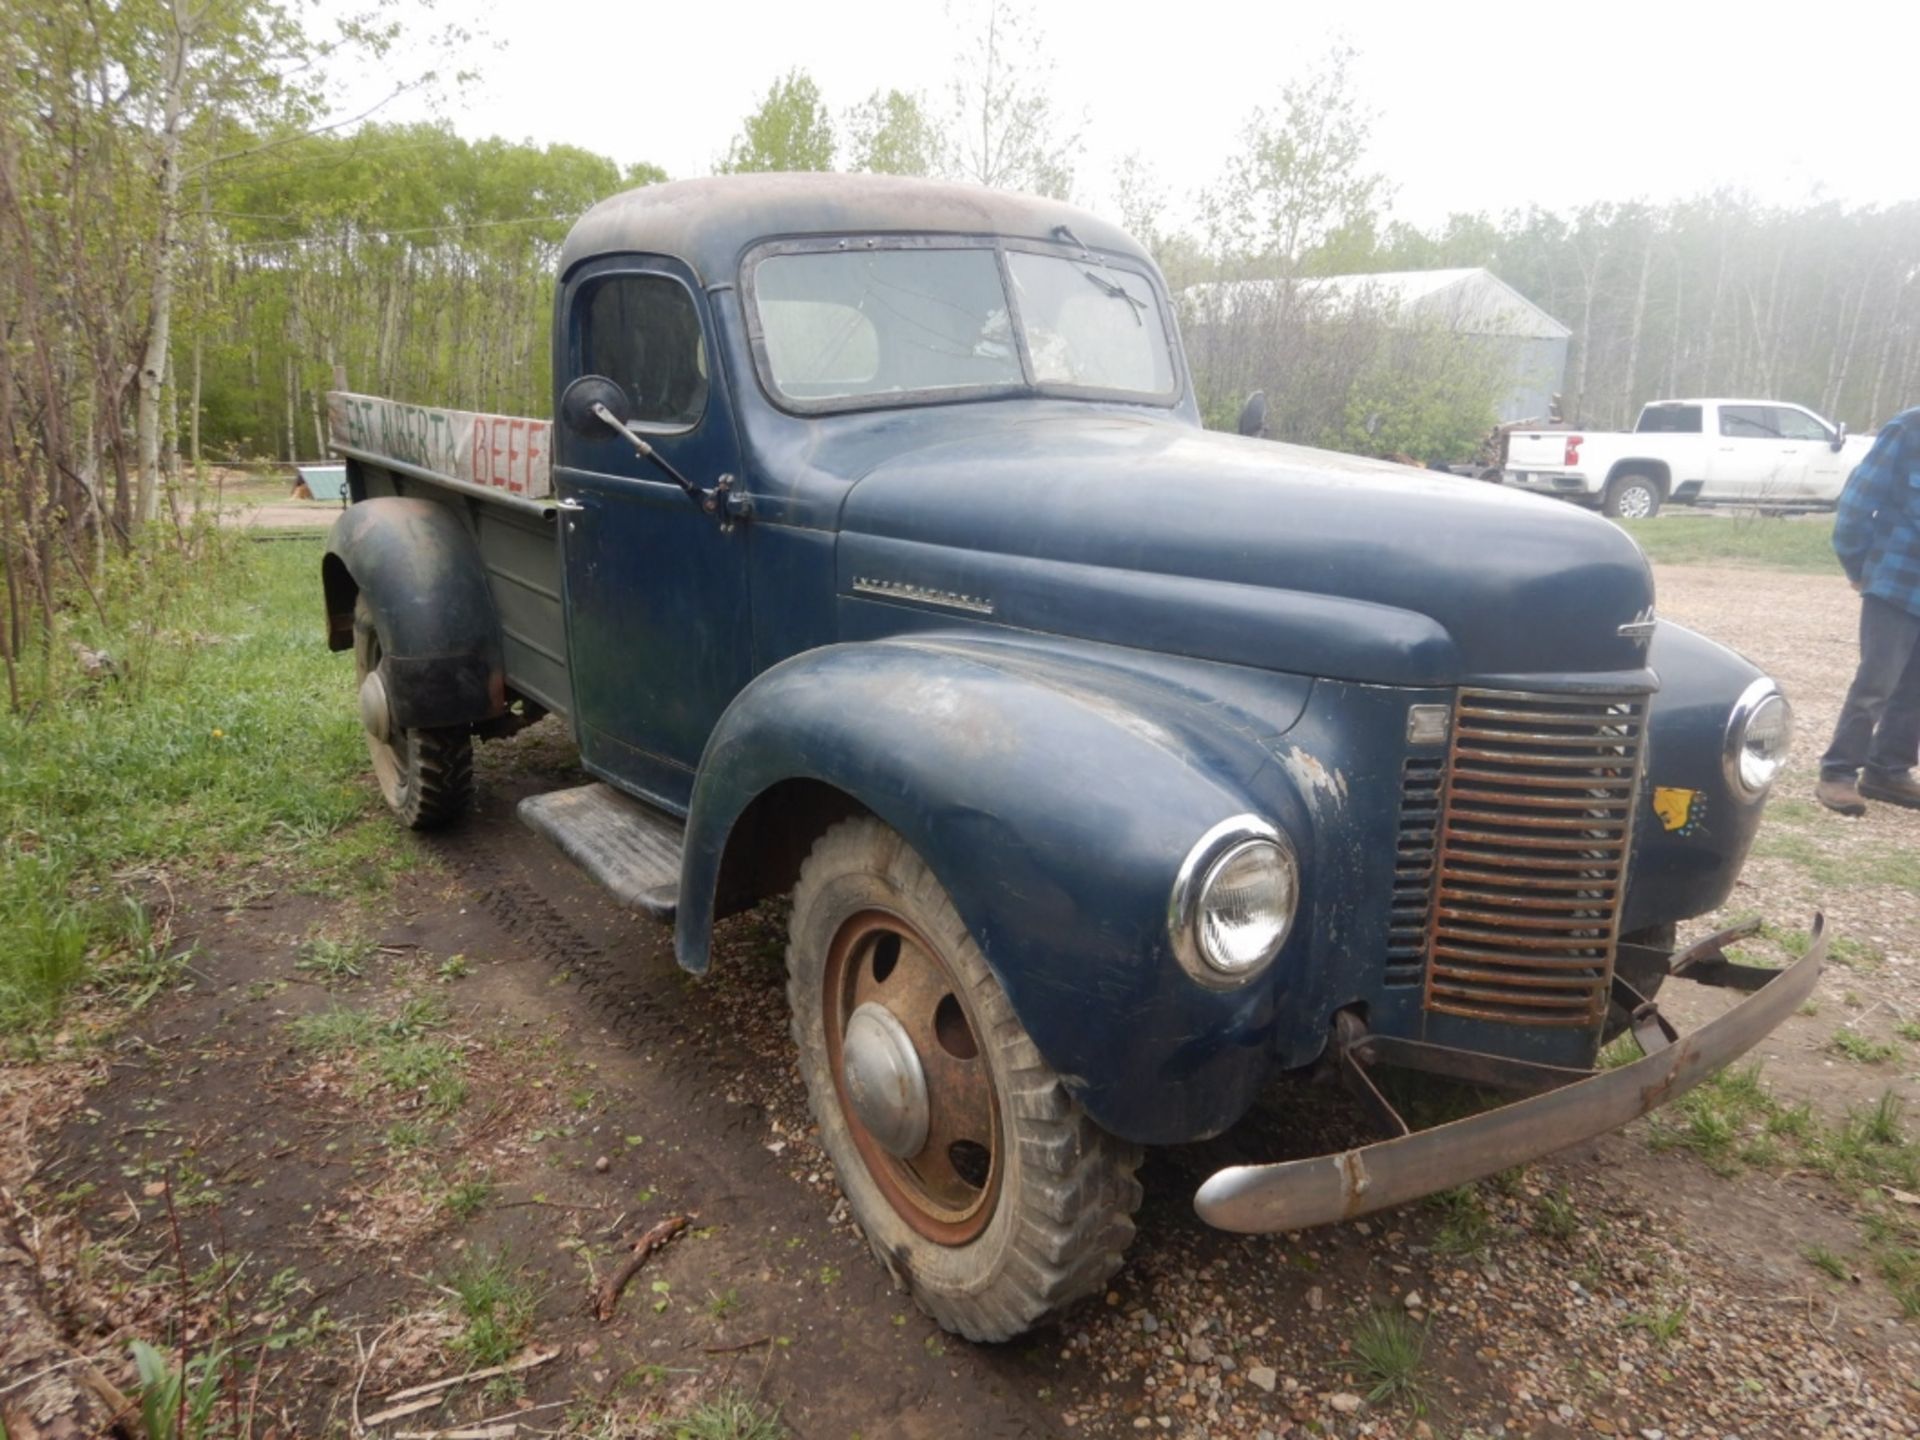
(1632, 497)
(426, 776)
(978, 1181)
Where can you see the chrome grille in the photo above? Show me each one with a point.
(1536, 820)
(1413, 869)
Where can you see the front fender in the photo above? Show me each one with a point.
(1055, 796)
(442, 654)
(1693, 831)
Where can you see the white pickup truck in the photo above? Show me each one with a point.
(1701, 452)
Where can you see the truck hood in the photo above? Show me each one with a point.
(1108, 525)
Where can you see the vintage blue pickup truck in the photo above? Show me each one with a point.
(875, 553)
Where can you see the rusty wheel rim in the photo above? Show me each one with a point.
(947, 1190)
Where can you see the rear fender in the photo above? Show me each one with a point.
(1055, 796)
(441, 653)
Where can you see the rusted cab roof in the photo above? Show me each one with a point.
(710, 223)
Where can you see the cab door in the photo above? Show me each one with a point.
(1753, 460)
(659, 637)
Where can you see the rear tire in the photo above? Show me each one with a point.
(425, 776)
(1632, 496)
(1014, 1203)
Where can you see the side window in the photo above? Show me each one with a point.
(1670, 420)
(1794, 424)
(642, 333)
(1746, 422)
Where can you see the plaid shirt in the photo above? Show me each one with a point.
(1876, 532)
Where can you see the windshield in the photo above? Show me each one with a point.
(859, 326)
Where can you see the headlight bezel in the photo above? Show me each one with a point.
(1208, 857)
(1739, 723)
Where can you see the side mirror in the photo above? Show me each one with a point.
(1839, 437)
(1253, 415)
(579, 400)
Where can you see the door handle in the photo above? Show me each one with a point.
(568, 504)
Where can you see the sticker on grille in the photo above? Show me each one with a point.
(1413, 870)
(1536, 821)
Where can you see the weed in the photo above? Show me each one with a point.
(454, 967)
(721, 1305)
(1825, 1261)
(1862, 1049)
(1467, 1228)
(1662, 1326)
(467, 1198)
(1388, 1349)
(496, 1305)
(829, 1275)
(733, 1415)
(177, 1402)
(334, 960)
(1555, 1216)
(1908, 1029)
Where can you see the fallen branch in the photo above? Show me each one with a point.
(731, 1349)
(530, 1361)
(608, 1300)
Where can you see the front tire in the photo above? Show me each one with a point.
(426, 776)
(1632, 497)
(978, 1180)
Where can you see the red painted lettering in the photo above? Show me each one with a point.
(518, 485)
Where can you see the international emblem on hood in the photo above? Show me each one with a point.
(1639, 628)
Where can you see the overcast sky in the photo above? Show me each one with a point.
(1477, 107)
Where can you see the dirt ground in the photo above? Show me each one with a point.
(1619, 1289)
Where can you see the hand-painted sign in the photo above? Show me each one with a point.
(494, 452)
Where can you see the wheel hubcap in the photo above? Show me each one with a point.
(1634, 504)
(373, 706)
(912, 1081)
(885, 1083)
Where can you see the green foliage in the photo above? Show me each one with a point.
(790, 129)
(1388, 1350)
(1296, 195)
(1777, 543)
(1002, 128)
(225, 734)
(892, 133)
(733, 1415)
(496, 1306)
(1425, 393)
(177, 1402)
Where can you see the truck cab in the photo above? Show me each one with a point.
(875, 554)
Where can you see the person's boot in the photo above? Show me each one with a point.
(1898, 789)
(1841, 793)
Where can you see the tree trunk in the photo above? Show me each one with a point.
(1633, 332)
(153, 365)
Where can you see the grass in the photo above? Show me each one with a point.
(334, 960)
(225, 735)
(468, 1198)
(1555, 1216)
(1662, 1326)
(1862, 1049)
(1388, 1350)
(1467, 1228)
(1826, 1262)
(1804, 545)
(399, 1051)
(733, 1415)
(496, 1308)
(1896, 867)
(1734, 1120)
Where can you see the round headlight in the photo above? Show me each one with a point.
(1758, 736)
(1234, 901)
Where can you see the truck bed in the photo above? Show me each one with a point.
(492, 472)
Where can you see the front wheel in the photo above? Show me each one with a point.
(1632, 497)
(978, 1180)
(426, 776)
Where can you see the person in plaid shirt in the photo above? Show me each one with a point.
(1876, 534)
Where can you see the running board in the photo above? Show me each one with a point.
(628, 847)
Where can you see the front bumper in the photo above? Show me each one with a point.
(1296, 1194)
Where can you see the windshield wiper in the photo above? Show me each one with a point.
(1136, 305)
